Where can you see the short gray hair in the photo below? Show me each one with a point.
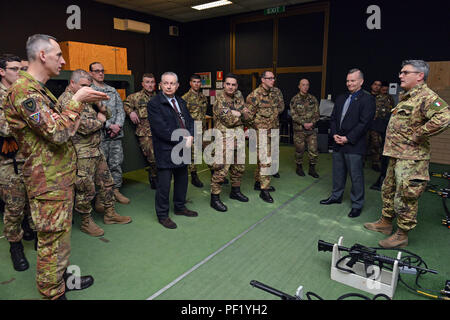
(418, 65)
(169, 73)
(36, 43)
(79, 74)
(361, 75)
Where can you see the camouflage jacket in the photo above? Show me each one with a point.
(264, 107)
(50, 159)
(137, 102)
(6, 164)
(222, 107)
(420, 113)
(277, 98)
(115, 105)
(304, 109)
(384, 104)
(88, 136)
(197, 105)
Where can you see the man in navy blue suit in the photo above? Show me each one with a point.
(349, 124)
(166, 114)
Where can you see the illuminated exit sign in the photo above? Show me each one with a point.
(275, 10)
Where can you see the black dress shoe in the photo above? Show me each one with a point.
(77, 283)
(354, 213)
(168, 223)
(265, 195)
(186, 212)
(20, 262)
(258, 187)
(276, 175)
(217, 204)
(330, 201)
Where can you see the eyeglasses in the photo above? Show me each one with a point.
(15, 69)
(270, 78)
(169, 83)
(98, 71)
(407, 72)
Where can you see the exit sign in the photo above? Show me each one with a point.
(275, 10)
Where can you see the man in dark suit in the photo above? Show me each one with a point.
(166, 114)
(349, 123)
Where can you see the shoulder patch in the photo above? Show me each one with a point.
(36, 117)
(29, 104)
(439, 104)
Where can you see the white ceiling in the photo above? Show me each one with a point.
(181, 11)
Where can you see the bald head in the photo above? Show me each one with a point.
(303, 86)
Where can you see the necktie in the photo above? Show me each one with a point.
(180, 118)
(345, 108)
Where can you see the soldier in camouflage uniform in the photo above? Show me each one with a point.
(420, 114)
(112, 133)
(277, 97)
(263, 105)
(92, 168)
(12, 187)
(42, 129)
(305, 114)
(228, 119)
(197, 105)
(135, 107)
(384, 103)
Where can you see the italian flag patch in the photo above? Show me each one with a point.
(437, 103)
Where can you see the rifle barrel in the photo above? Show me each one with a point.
(271, 290)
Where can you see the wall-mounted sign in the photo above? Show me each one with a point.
(206, 79)
(219, 76)
(274, 10)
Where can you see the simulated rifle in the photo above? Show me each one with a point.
(278, 293)
(368, 256)
(443, 193)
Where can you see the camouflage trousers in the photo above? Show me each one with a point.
(146, 144)
(405, 182)
(14, 195)
(263, 149)
(375, 146)
(113, 151)
(221, 171)
(52, 215)
(93, 172)
(192, 166)
(303, 139)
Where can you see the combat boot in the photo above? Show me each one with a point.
(398, 240)
(112, 217)
(237, 194)
(217, 204)
(312, 171)
(195, 180)
(299, 170)
(99, 207)
(383, 225)
(76, 283)
(89, 226)
(257, 187)
(120, 197)
(18, 258)
(265, 195)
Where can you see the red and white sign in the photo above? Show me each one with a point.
(219, 76)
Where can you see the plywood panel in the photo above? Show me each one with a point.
(440, 144)
(79, 55)
(439, 76)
